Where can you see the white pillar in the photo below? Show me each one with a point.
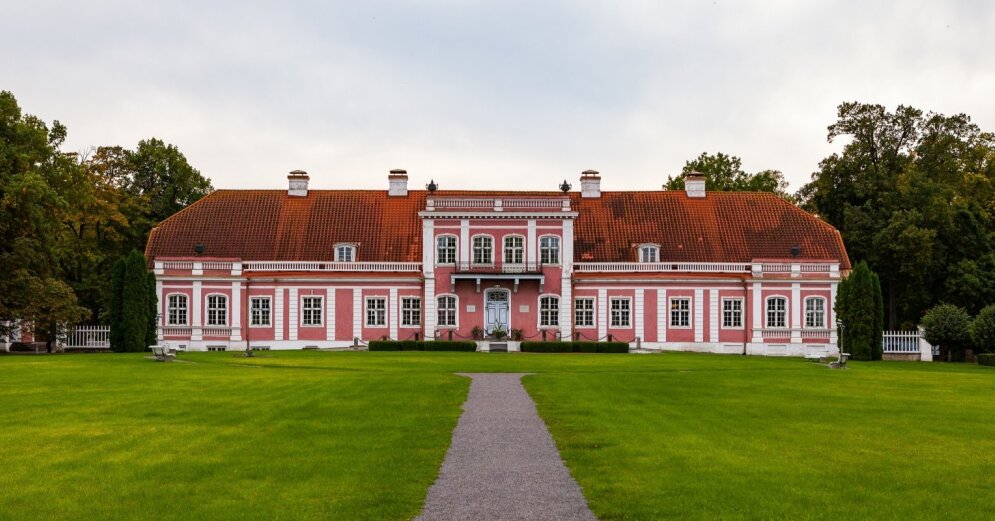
(757, 321)
(162, 308)
(640, 309)
(531, 246)
(392, 317)
(602, 313)
(831, 314)
(236, 311)
(330, 314)
(796, 312)
(428, 269)
(464, 241)
(713, 315)
(661, 315)
(428, 307)
(293, 305)
(699, 315)
(279, 310)
(566, 307)
(357, 313)
(195, 307)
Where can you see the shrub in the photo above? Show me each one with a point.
(575, 347)
(422, 345)
(986, 359)
(860, 309)
(947, 326)
(983, 330)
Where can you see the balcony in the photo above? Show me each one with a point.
(513, 272)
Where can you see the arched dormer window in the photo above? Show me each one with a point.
(649, 252)
(345, 252)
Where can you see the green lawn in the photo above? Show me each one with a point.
(291, 435)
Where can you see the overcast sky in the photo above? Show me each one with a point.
(478, 94)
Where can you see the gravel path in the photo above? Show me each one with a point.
(502, 463)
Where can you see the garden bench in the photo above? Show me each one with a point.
(841, 363)
(163, 353)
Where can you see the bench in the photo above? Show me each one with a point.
(841, 362)
(163, 353)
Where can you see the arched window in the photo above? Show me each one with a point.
(345, 253)
(549, 311)
(649, 253)
(483, 249)
(176, 310)
(217, 310)
(514, 249)
(549, 249)
(445, 249)
(815, 312)
(447, 311)
(777, 312)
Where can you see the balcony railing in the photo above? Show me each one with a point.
(499, 204)
(332, 266)
(792, 269)
(804, 333)
(499, 268)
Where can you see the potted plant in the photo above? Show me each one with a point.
(477, 333)
(499, 333)
(517, 335)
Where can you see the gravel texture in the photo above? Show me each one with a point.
(502, 463)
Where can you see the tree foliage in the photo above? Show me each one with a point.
(912, 194)
(725, 173)
(983, 330)
(134, 307)
(860, 311)
(949, 327)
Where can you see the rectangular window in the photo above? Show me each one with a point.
(260, 311)
(217, 310)
(777, 313)
(446, 249)
(648, 254)
(621, 312)
(483, 250)
(311, 311)
(732, 313)
(549, 312)
(549, 250)
(815, 313)
(410, 311)
(177, 311)
(514, 250)
(584, 312)
(680, 312)
(345, 254)
(447, 311)
(376, 312)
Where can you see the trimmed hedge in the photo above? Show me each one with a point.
(986, 359)
(575, 347)
(422, 345)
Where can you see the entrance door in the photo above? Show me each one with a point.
(496, 309)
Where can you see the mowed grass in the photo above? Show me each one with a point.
(292, 435)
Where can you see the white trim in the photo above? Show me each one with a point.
(699, 315)
(330, 314)
(539, 311)
(742, 314)
(207, 310)
(464, 241)
(713, 315)
(278, 314)
(293, 303)
(421, 311)
(612, 300)
(354, 254)
(358, 313)
(648, 246)
(366, 311)
(639, 310)
(504, 248)
(559, 249)
(473, 254)
(186, 308)
(602, 314)
(689, 310)
(393, 317)
(531, 243)
(456, 249)
(767, 300)
(260, 326)
(825, 320)
(321, 311)
(483, 307)
(593, 310)
(455, 298)
(662, 315)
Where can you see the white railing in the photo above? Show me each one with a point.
(498, 203)
(331, 266)
(901, 341)
(224, 266)
(819, 267)
(787, 332)
(176, 331)
(216, 331)
(776, 268)
(621, 267)
(177, 265)
(88, 337)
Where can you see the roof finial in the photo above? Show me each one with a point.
(565, 187)
(431, 186)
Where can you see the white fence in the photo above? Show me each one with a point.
(908, 343)
(88, 337)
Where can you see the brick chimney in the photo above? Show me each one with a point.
(298, 183)
(590, 183)
(694, 184)
(398, 182)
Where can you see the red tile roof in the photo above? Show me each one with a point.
(270, 225)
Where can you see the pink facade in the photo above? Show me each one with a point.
(508, 262)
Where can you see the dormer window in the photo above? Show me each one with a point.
(649, 253)
(345, 253)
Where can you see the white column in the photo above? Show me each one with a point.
(531, 245)
(236, 311)
(602, 313)
(357, 313)
(162, 308)
(567, 247)
(699, 315)
(661, 315)
(757, 313)
(195, 307)
(392, 313)
(713, 315)
(566, 307)
(638, 307)
(279, 311)
(831, 314)
(428, 268)
(330, 314)
(293, 304)
(428, 307)
(464, 241)
(796, 312)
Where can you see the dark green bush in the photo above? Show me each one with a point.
(983, 330)
(575, 347)
(949, 327)
(422, 345)
(986, 359)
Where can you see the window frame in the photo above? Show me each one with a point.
(558, 248)
(647, 247)
(412, 311)
(505, 248)
(345, 245)
(473, 250)
(593, 310)
(738, 312)
(208, 309)
(611, 312)
(822, 312)
(454, 309)
(555, 316)
(366, 310)
(438, 249)
(767, 311)
(269, 311)
(321, 311)
(186, 309)
(684, 312)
